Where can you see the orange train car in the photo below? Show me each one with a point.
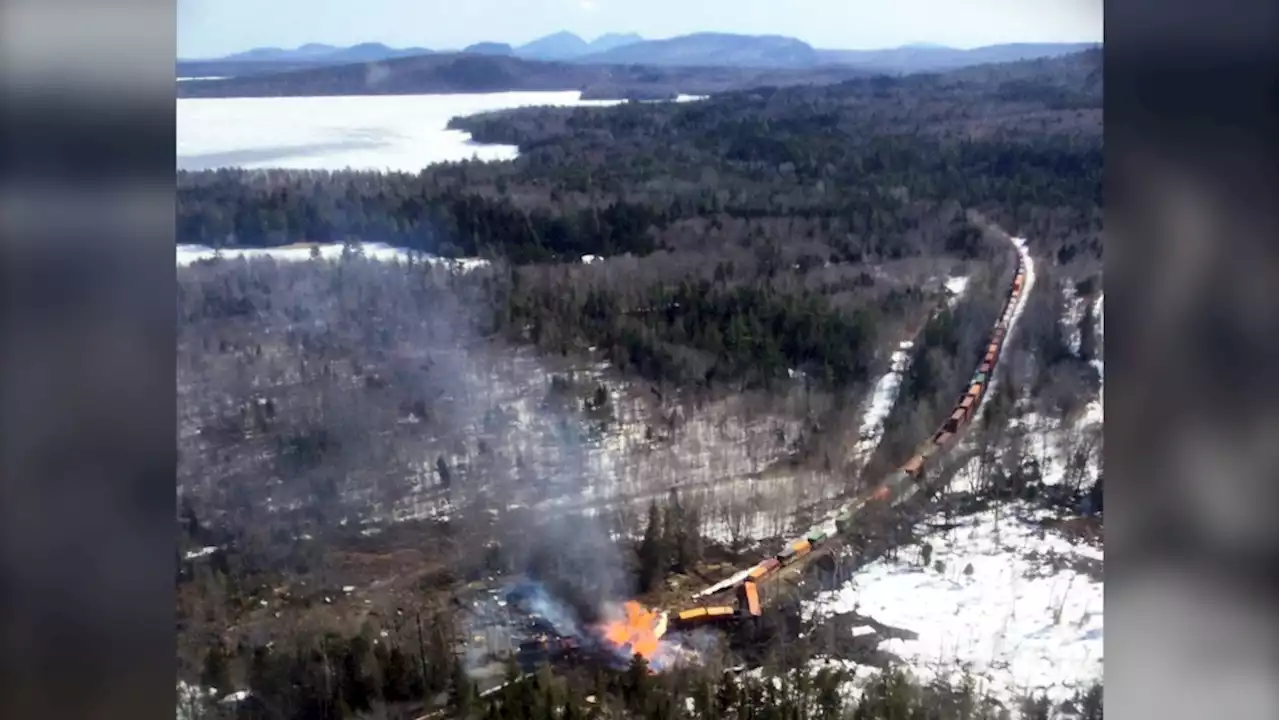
(751, 598)
(691, 615)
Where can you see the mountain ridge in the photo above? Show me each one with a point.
(471, 73)
(696, 50)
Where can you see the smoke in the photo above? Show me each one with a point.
(533, 598)
(537, 458)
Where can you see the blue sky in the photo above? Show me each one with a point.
(209, 28)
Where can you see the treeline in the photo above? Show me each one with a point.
(361, 677)
(232, 208)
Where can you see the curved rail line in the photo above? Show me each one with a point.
(898, 487)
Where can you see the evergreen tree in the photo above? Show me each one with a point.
(462, 693)
(652, 551)
(216, 672)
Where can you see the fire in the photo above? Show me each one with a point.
(638, 631)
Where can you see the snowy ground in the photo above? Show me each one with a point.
(989, 603)
(381, 132)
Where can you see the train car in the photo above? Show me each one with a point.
(985, 367)
(815, 536)
(914, 465)
(954, 422)
(751, 599)
(975, 390)
(786, 555)
(802, 547)
(693, 617)
(942, 438)
(685, 616)
(967, 404)
(770, 564)
(757, 572)
(979, 378)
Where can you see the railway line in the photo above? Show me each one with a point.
(739, 596)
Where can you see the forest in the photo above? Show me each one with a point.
(367, 424)
(861, 164)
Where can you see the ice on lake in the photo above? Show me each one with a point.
(370, 132)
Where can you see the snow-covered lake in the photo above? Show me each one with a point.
(369, 132)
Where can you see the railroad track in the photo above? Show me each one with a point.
(739, 595)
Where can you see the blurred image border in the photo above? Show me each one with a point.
(1191, 422)
(87, 511)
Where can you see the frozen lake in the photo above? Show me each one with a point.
(369, 132)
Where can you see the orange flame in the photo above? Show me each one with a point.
(638, 631)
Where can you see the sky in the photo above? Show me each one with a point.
(211, 28)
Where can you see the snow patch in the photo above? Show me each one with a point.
(956, 285)
(988, 603)
(188, 254)
(883, 396)
(202, 552)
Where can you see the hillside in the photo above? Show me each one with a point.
(566, 45)
(712, 49)
(465, 72)
(929, 58)
(696, 50)
(489, 48)
(557, 46)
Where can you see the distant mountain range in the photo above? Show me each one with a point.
(696, 50)
(328, 54)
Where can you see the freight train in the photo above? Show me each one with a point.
(895, 489)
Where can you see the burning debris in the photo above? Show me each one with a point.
(636, 630)
(541, 627)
